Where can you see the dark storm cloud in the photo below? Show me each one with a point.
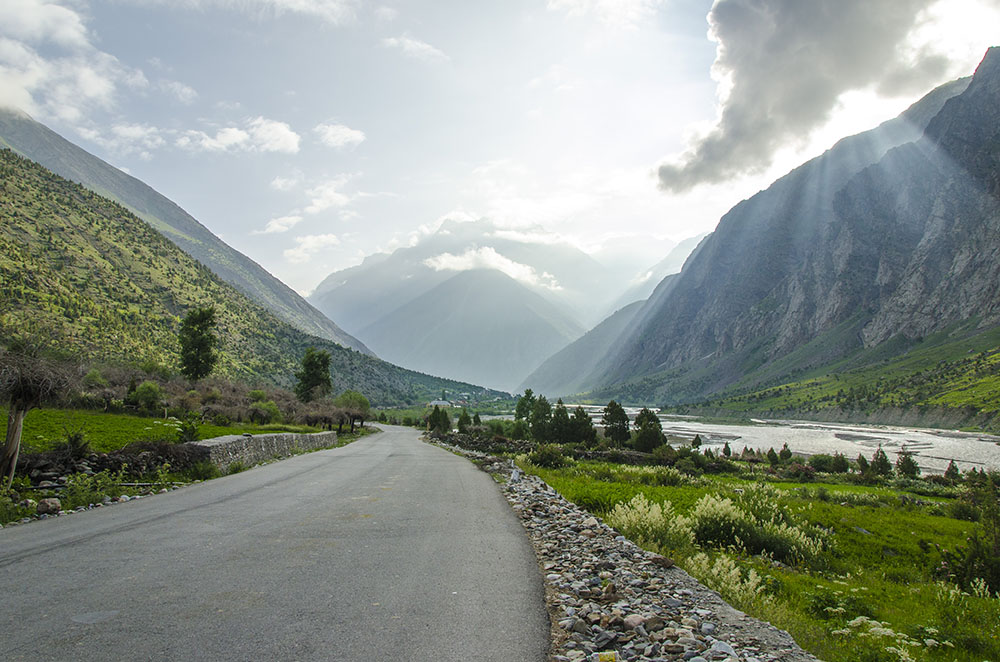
(787, 62)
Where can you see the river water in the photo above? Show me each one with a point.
(933, 449)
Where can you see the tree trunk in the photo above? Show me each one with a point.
(15, 422)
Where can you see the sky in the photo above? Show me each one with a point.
(311, 133)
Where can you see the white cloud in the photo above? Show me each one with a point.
(414, 48)
(223, 140)
(339, 136)
(486, 257)
(281, 224)
(280, 183)
(783, 68)
(257, 135)
(616, 13)
(273, 136)
(327, 195)
(183, 93)
(40, 21)
(307, 246)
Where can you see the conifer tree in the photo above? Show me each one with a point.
(198, 342)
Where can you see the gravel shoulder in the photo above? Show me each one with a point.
(604, 593)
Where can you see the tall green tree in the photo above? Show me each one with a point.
(583, 427)
(615, 422)
(198, 342)
(880, 465)
(464, 420)
(906, 465)
(314, 375)
(541, 414)
(560, 427)
(522, 411)
(439, 421)
(646, 415)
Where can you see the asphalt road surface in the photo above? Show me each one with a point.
(385, 549)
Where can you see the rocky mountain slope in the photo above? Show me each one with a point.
(889, 235)
(479, 326)
(85, 274)
(38, 143)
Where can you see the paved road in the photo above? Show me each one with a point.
(386, 549)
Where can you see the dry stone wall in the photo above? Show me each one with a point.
(254, 449)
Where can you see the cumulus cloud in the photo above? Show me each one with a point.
(327, 195)
(273, 136)
(48, 66)
(258, 134)
(487, 257)
(617, 13)
(339, 136)
(781, 66)
(309, 245)
(39, 21)
(414, 48)
(281, 224)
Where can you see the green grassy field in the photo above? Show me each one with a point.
(46, 428)
(869, 593)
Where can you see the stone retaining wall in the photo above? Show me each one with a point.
(254, 449)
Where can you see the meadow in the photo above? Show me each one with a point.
(854, 572)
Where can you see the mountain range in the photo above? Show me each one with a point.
(37, 142)
(476, 301)
(84, 274)
(861, 254)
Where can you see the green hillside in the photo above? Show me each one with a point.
(950, 378)
(92, 278)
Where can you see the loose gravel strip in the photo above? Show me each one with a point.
(604, 593)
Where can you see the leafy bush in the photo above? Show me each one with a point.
(744, 590)
(549, 456)
(652, 525)
(148, 396)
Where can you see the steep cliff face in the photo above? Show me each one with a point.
(890, 234)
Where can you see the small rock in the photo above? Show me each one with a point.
(48, 506)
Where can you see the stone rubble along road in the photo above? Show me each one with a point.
(606, 593)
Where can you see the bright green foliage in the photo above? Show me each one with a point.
(198, 342)
(314, 375)
(615, 422)
(148, 396)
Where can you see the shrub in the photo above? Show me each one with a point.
(652, 525)
(549, 456)
(148, 396)
(743, 590)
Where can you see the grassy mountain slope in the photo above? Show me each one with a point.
(101, 283)
(38, 143)
(950, 378)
